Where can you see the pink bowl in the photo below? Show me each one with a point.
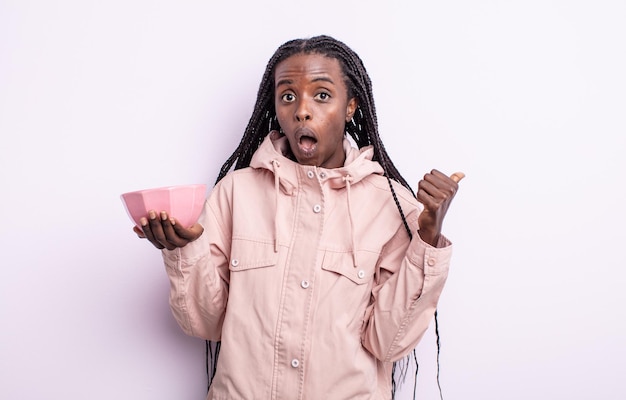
(183, 202)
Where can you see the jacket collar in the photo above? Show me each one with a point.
(358, 165)
(274, 147)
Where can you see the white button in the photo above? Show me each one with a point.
(295, 363)
(310, 174)
(317, 208)
(323, 175)
(234, 262)
(431, 261)
(304, 284)
(361, 274)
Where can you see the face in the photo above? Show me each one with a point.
(312, 107)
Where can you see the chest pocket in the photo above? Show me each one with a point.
(342, 263)
(249, 254)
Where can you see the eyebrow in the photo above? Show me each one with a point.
(316, 79)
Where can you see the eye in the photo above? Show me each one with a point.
(288, 97)
(323, 96)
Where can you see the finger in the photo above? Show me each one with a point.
(431, 188)
(139, 232)
(157, 230)
(147, 230)
(427, 200)
(457, 176)
(438, 174)
(170, 233)
(190, 234)
(439, 179)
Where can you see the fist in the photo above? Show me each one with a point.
(435, 191)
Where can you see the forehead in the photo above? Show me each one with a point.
(308, 65)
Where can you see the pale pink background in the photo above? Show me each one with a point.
(526, 97)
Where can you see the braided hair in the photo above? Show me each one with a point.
(363, 129)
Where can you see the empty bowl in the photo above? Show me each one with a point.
(183, 203)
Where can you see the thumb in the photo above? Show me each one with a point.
(457, 176)
(139, 232)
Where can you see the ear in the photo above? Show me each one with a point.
(353, 103)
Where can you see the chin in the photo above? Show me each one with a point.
(307, 161)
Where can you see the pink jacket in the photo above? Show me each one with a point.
(308, 277)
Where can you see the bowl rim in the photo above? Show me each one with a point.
(165, 188)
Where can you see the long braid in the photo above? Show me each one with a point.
(363, 129)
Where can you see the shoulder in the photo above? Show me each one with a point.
(247, 179)
(381, 184)
(239, 176)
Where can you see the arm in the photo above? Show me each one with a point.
(199, 277)
(196, 264)
(405, 297)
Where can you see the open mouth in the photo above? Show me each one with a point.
(307, 142)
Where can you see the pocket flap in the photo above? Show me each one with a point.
(343, 264)
(249, 254)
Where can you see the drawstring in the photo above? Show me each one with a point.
(347, 179)
(276, 165)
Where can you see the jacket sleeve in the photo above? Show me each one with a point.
(199, 275)
(404, 298)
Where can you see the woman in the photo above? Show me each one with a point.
(313, 263)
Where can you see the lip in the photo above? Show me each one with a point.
(306, 149)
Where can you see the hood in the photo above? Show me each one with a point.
(274, 147)
(358, 165)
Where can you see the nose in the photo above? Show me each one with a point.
(302, 112)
